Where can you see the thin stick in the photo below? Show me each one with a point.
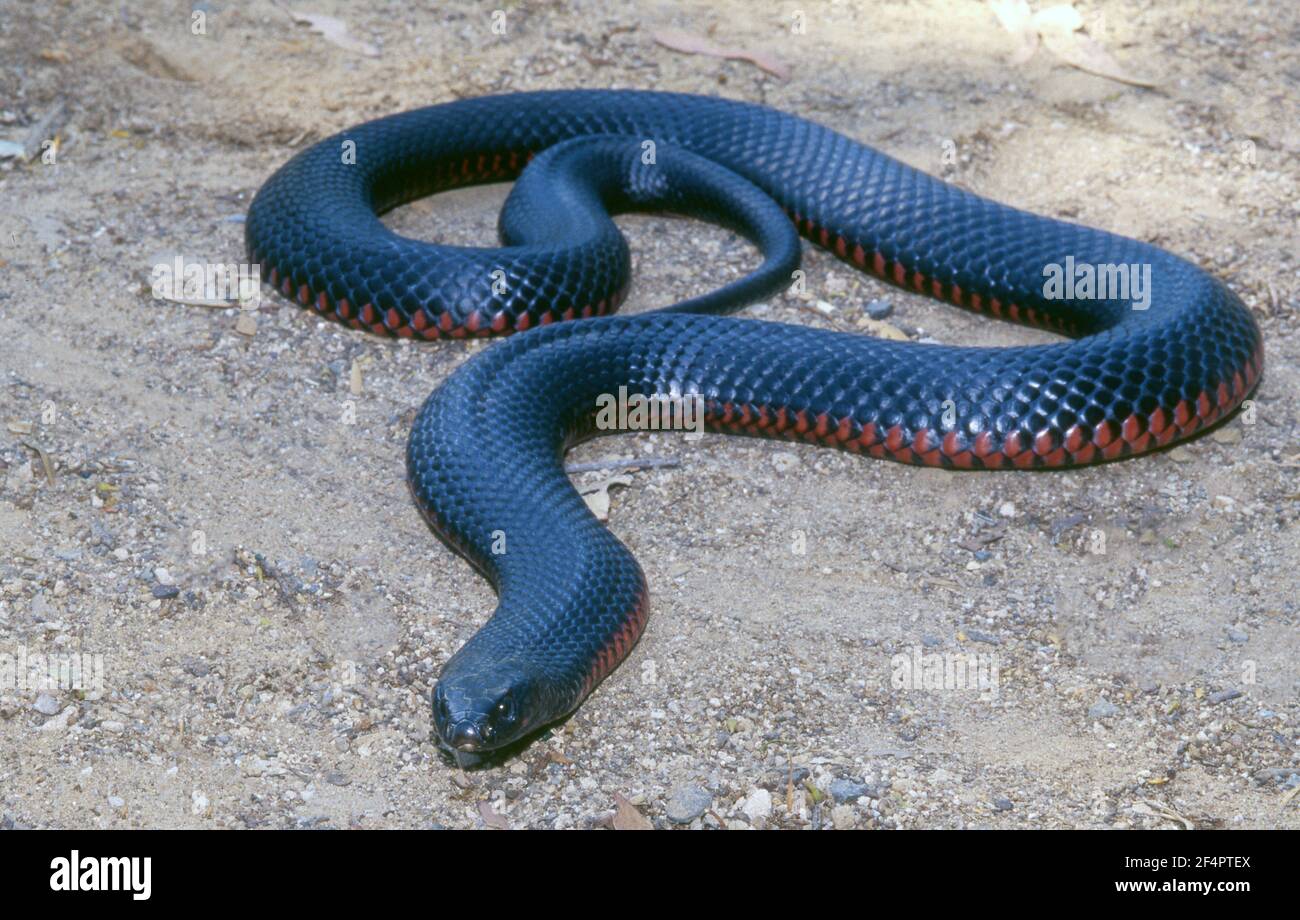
(45, 128)
(624, 463)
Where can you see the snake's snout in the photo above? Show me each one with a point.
(467, 736)
(482, 706)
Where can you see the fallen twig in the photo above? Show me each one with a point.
(624, 463)
(46, 127)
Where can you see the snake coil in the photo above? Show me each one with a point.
(484, 457)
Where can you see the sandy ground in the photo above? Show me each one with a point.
(224, 520)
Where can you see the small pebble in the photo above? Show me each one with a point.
(165, 591)
(46, 705)
(879, 309)
(686, 803)
(758, 805)
(846, 790)
(40, 608)
(1103, 709)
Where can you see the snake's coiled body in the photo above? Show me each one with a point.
(484, 459)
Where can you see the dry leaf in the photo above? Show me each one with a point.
(1016, 18)
(1153, 809)
(882, 330)
(1058, 28)
(690, 43)
(597, 495)
(627, 817)
(355, 384)
(491, 818)
(1087, 54)
(1062, 19)
(46, 465)
(1013, 14)
(334, 31)
(1291, 794)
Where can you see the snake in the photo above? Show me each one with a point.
(1132, 372)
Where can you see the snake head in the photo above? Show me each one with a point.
(485, 707)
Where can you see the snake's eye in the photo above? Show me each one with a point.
(504, 711)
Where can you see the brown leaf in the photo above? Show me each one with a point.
(690, 43)
(627, 817)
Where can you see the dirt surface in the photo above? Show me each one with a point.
(224, 520)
